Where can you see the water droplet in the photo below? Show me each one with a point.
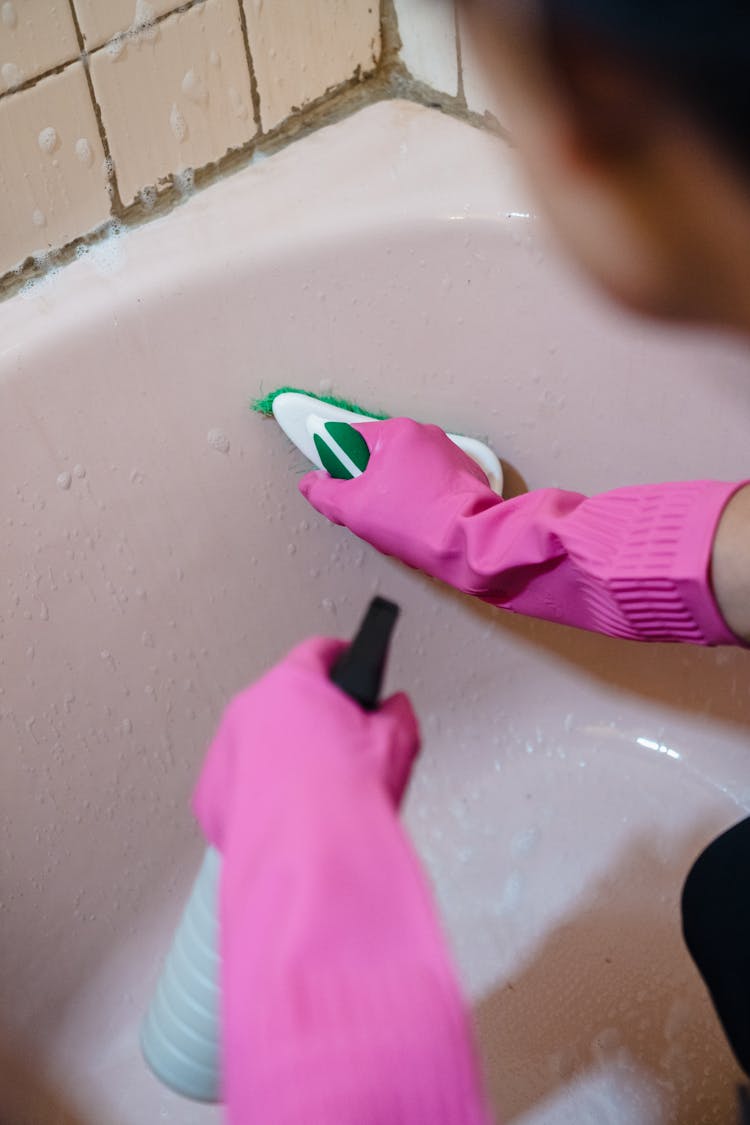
(48, 140)
(11, 74)
(292, 549)
(193, 88)
(214, 57)
(147, 639)
(177, 123)
(39, 219)
(64, 481)
(523, 843)
(218, 440)
(325, 386)
(8, 15)
(44, 612)
(127, 726)
(79, 471)
(136, 476)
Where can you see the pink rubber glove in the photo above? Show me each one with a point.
(631, 563)
(340, 1005)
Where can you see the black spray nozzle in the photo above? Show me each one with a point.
(359, 671)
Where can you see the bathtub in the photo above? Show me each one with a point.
(157, 557)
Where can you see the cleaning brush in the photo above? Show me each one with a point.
(321, 427)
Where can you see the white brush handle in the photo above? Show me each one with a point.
(293, 409)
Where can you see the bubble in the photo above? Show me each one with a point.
(177, 123)
(39, 219)
(184, 181)
(136, 476)
(48, 139)
(79, 471)
(218, 440)
(106, 255)
(116, 46)
(147, 639)
(144, 14)
(44, 612)
(11, 74)
(148, 197)
(83, 152)
(8, 15)
(214, 57)
(64, 481)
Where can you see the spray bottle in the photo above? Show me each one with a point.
(180, 1034)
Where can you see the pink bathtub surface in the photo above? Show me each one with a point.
(157, 557)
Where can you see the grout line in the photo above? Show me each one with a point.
(254, 91)
(30, 83)
(390, 38)
(459, 58)
(116, 207)
(131, 32)
(77, 29)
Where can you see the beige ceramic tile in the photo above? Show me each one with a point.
(101, 20)
(428, 36)
(35, 36)
(177, 97)
(52, 180)
(302, 48)
(480, 97)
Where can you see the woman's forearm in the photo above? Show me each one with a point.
(730, 564)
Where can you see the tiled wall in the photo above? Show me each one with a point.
(104, 102)
(437, 51)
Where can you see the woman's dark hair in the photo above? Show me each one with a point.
(696, 51)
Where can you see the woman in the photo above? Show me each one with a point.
(340, 1005)
(632, 121)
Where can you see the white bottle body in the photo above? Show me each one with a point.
(180, 1034)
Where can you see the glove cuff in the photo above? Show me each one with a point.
(649, 560)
